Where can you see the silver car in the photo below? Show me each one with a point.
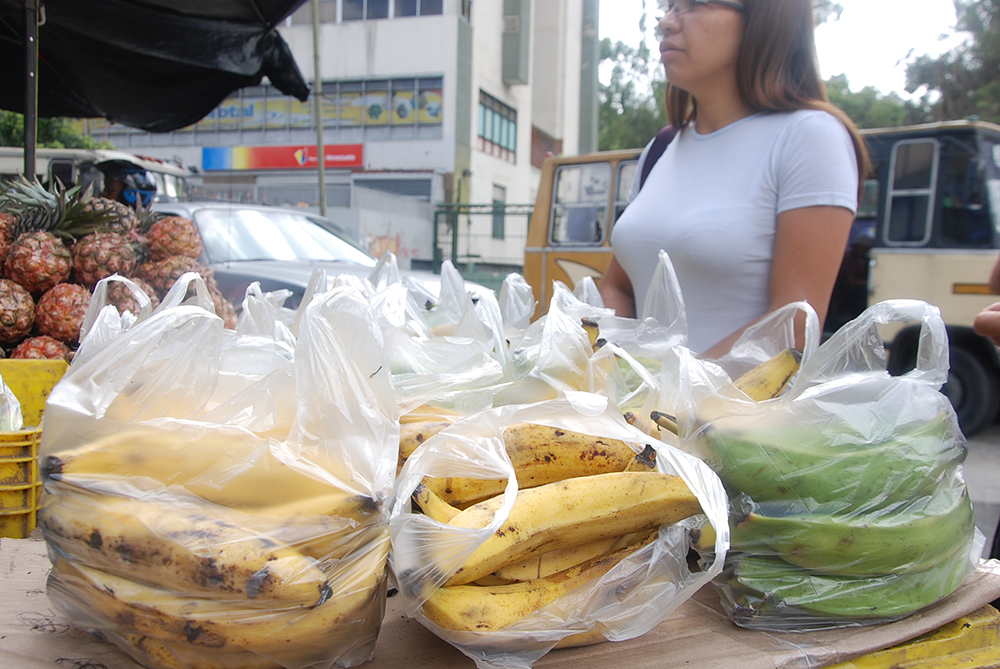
(278, 247)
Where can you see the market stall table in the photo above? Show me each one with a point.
(34, 634)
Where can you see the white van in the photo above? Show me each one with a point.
(88, 166)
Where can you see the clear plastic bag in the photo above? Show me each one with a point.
(628, 601)
(216, 498)
(848, 502)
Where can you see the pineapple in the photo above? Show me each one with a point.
(122, 298)
(42, 347)
(61, 310)
(17, 312)
(174, 236)
(161, 274)
(46, 220)
(123, 218)
(101, 254)
(38, 261)
(7, 223)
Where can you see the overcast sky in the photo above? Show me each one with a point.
(870, 43)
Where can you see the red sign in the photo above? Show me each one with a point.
(296, 156)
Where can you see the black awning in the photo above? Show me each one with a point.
(157, 65)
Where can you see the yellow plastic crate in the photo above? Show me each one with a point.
(971, 642)
(31, 381)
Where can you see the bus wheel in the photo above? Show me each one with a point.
(974, 391)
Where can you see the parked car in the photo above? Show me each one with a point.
(280, 248)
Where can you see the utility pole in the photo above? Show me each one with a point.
(317, 110)
(30, 86)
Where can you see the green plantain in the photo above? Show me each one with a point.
(913, 537)
(770, 584)
(786, 462)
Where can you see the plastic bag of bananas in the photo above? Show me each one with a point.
(849, 506)
(219, 500)
(528, 527)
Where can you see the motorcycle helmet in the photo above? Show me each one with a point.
(136, 184)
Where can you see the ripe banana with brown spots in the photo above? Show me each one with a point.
(193, 547)
(203, 465)
(572, 512)
(541, 455)
(477, 608)
(210, 626)
(433, 506)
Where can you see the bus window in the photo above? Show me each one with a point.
(623, 184)
(993, 182)
(913, 170)
(64, 171)
(580, 207)
(965, 220)
(868, 207)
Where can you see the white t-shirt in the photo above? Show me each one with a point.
(712, 201)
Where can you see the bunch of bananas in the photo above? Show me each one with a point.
(213, 552)
(831, 525)
(583, 505)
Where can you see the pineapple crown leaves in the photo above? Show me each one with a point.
(59, 210)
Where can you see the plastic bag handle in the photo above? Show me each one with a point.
(99, 300)
(858, 345)
(178, 292)
(664, 301)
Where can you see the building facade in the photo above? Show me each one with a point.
(421, 101)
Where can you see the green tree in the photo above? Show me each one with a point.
(632, 108)
(963, 82)
(869, 108)
(56, 133)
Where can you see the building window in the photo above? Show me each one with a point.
(499, 200)
(497, 128)
(467, 10)
(359, 10)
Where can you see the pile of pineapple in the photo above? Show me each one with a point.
(55, 245)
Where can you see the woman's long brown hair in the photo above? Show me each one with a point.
(777, 70)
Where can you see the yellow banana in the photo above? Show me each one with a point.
(433, 506)
(552, 562)
(227, 469)
(540, 455)
(571, 512)
(428, 413)
(587, 638)
(644, 461)
(769, 378)
(351, 615)
(593, 331)
(191, 546)
(478, 608)
(413, 434)
(153, 652)
(703, 538)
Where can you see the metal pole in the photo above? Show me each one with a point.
(30, 87)
(317, 111)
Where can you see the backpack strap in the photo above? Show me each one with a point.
(660, 142)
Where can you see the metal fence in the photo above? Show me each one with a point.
(485, 242)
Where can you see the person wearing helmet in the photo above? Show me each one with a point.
(129, 185)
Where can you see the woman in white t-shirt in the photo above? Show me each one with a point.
(754, 197)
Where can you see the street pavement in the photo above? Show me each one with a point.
(982, 476)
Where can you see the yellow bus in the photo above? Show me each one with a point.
(928, 228)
